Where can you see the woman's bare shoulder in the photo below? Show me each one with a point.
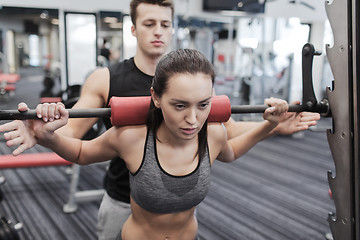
(216, 139)
(131, 134)
(217, 131)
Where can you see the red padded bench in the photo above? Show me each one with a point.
(9, 78)
(32, 160)
(10, 87)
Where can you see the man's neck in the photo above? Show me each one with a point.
(146, 64)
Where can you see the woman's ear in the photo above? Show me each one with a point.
(155, 98)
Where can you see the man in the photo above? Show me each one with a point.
(105, 50)
(152, 26)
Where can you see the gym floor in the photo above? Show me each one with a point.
(277, 191)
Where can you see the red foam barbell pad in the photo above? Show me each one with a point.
(32, 160)
(133, 110)
(129, 110)
(220, 109)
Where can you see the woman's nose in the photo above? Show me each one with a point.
(191, 116)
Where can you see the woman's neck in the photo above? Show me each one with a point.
(164, 135)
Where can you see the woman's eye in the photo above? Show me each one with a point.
(179, 106)
(203, 105)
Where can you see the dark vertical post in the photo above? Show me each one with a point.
(355, 25)
(344, 136)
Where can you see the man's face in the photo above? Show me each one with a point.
(153, 29)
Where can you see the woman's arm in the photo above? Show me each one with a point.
(83, 152)
(43, 131)
(72, 149)
(237, 146)
(289, 123)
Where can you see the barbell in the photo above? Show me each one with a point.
(125, 111)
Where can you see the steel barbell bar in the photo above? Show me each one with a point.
(133, 110)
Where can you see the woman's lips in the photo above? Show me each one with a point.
(188, 131)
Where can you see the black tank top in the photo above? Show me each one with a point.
(126, 80)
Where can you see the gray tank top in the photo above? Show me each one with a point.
(157, 191)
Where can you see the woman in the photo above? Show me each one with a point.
(169, 158)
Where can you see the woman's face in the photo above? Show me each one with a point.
(185, 104)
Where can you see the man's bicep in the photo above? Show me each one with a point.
(94, 94)
(95, 90)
